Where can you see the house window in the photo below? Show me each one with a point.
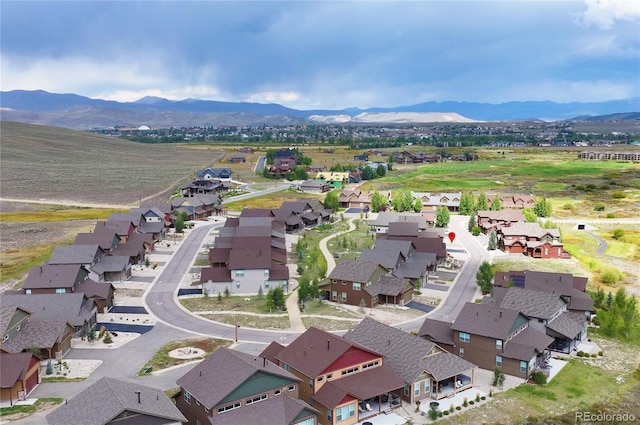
(309, 421)
(461, 352)
(266, 283)
(207, 410)
(187, 396)
(320, 378)
(427, 386)
(344, 297)
(499, 344)
(277, 392)
(465, 337)
(198, 422)
(237, 283)
(329, 376)
(256, 399)
(229, 407)
(291, 388)
(350, 371)
(60, 291)
(345, 412)
(499, 361)
(27, 291)
(416, 389)
(266, 272)
(311, 383)
(239, 273)
(523, 367)
(406, 390)
(356, 286)
(334, 295)
(6, 337)
(286, 367)
(330, 416)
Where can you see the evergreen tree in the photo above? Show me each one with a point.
(442, 216)
(417, 207)
(493, 242)
(542, 208)
(484, 276)
(381, 171)
(367, 173)
(481, 203)
(466, 203)
(495, 204)
(473, 221)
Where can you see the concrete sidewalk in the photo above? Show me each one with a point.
(294, 312)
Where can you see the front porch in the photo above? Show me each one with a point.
(448, 388)
(384, 403)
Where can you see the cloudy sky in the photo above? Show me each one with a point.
(325, 54)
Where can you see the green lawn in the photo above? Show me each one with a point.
(25, 410)
(162, 359)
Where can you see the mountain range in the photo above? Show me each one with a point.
(75, 111)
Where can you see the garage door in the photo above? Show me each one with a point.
(31, 383)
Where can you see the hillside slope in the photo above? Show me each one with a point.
(51, 163)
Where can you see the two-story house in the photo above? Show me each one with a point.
(492, 221)
(54, 279)
(490, 337)
(248, 254)
(428, 371)
(348, 281)
(19, 376)
(229, 387)
(548, 313)
(339, 378)
(21, 332)
(531, 240)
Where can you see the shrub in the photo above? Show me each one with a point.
(465, 403)
(611, 276)
(107, 338)
(618, 194)
(539, 378)
(611, 215)
(458, 408)
(102, 331)
(475, 230)
(440, 414)
(490, 393)
(568, 207)
(477, 396)
(483, 398)
(599, 207)
(451, 408)
(472, 402)
(580, 353)
(446, 412)
(594, 355)
(49, 368)
(618, 234)
(433, 413)
(600, 353)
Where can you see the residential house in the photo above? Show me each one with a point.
(250, 253)
(547, 313)
(384, 219)
(22, 331)
(122, 228)
(303, 213)
(204, 187)
(214, 174)
(348, 282)
(315, 168)
(425, 242)
(54, 279)
(434, 200)
(112, 401)
(361, 158)
(335, 179)
(19, 376)
(117, 268)
(102, 294)
(494, 221)
(339, 378)
(531, 240)
(428, 371)
(105, 237)
(518, 201)
(229, 387)
(237, 159)
(314, 186)
(74, 308)
(83, 255)
(491, 336)
(197, 207)
(571, 288)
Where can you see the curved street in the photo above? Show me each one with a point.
(175, 322)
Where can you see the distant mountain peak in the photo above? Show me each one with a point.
(149, 100)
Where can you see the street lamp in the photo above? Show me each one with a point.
(237, 326)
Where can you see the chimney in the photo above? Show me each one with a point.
(328, 345)
(501, 315)
(138, 394)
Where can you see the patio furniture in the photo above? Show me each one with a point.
(368, 407)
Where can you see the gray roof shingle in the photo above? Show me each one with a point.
(280, 410)
(108, 398)
(353, 271)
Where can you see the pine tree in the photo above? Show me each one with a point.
(472, 221)
(466, 203)
(481, 203)
(495, 204)
(493, 243)
(442, 217)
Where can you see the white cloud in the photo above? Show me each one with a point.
(604, 13)
(563, 91)
(282, 97)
